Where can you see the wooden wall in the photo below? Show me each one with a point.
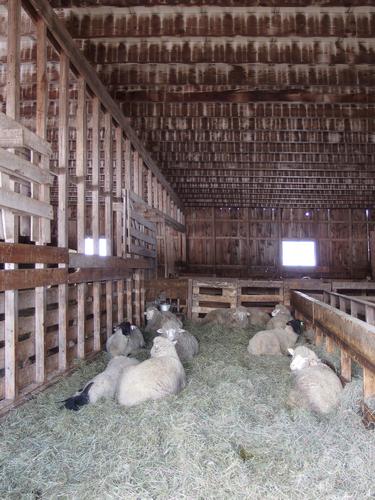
(247, 241)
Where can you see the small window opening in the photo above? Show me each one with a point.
(299, 253)
(89, 246)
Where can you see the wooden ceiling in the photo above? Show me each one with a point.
(243, 103)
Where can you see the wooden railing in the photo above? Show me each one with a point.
(354, 338)
(64, 179)
(359, 308)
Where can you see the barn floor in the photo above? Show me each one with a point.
(227, 435)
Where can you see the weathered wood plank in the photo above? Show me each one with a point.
(20, 204)
(19, 253)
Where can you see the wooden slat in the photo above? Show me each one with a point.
(22, 169)
(20, 204)
(14, 135)
(96, 261)
(142, 236)
(18, 279)
(19, 253)
(138, 250)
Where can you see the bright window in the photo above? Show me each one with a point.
(89, 247)
(299, 253)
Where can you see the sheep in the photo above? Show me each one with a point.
(126, 339)
(315, 386)
(157, 377)
(280, 308)
(156, 319)
(187, 345)
(238, 317)
(102, 386)
(272, 342)
(217, 316)
(258, 317)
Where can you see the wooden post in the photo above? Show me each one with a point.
(119, 223)
(44, 233)
(318, 336)
(81, 127)
(137, 297)
(149, 188)
(370, 314)
(62, 210)
(129, 299)
(354, 308)
(136, 171)
(189, 305)
(368, 383)
(10, 221)
(330, 344)
(346, 365)
(95, 158)
(127, 161)
(342, 304)
(108, 213)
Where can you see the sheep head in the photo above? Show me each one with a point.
(150, 313)
(303, 357)
(162, 346)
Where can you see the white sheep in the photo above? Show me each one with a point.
(238, 317)
(187, 345)
(315, 386)
(156, 319)
(102, 386)
(155, 378)
(258, 317)
(272, 342)
(280, 308)
(126, 339)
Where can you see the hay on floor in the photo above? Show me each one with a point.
(229, 434)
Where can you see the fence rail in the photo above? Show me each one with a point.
(359, 308)
(354, 338)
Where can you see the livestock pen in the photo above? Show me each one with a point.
(202, 155)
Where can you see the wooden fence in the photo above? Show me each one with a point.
(354, 338)
(359, 308)
(62, 180)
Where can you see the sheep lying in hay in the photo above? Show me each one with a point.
(316, 386)
(155, 378)
(126, 339)
(258, 317)
(156, 319)
(273, 342)
(102, 386)
(280, 317)
(236, 318)
(187, 345)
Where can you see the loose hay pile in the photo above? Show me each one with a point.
(227, 435)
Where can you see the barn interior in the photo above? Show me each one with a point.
(210, 155)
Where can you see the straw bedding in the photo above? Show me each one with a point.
(227, 435)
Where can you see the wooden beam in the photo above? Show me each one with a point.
(19, 253)
(62, 207)
(81, 164)
(22, 169)
(95, 261)
(21, 279)
(95, 156)
(108, 213)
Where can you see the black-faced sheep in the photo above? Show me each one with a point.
(155, 378)
(126, 339)
(315, 386)
(272, 342)
(102, 386)
(156, 319)
(187, 345)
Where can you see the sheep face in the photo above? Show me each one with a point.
(150, 313)
(302, 358)
(162, 347)
(280, 308)
(125, 328)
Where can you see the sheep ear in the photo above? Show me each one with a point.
(291, 352)
(181, 330)
(132, 327)
(160, 330)
(174, 342)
